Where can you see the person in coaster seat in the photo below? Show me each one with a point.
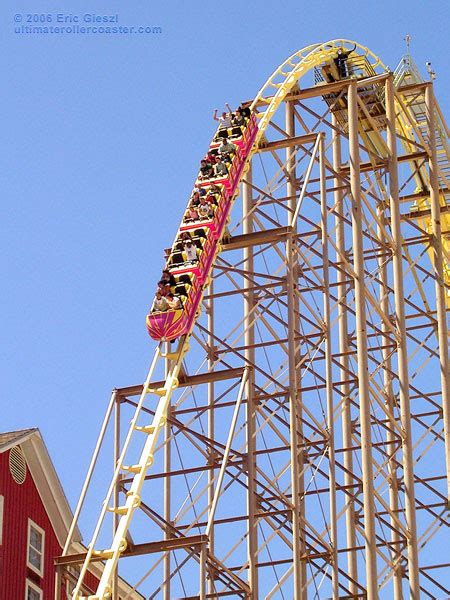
(237, 123)
(191, 251)
(224, 121)
(220, 168)
(238, 119)
(211, 199)
(163, 287)
(244, 111)
(205, 209)
(226, 149)
(174, 302)
(160, 303)
(191, 215)
(168, 277)
(206, 170)
(185, 236)
(195, 198)
(211, 156)
(200, 190)
(214, 189)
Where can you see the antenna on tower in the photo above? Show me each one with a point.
(407, 57)
(407, 39)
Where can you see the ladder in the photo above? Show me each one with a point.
(406, 74)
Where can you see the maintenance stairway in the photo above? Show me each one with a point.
(407, 74)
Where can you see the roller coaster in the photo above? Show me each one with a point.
(292, 438)
(189, 276)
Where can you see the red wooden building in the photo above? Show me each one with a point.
(34, 520)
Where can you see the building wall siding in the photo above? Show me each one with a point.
(22, 502)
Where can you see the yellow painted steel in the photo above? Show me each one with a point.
(414, 130)
(133, 497)
(287, 76)
(283, 80)
(297, 65)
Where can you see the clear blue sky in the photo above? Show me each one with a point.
(101, 141)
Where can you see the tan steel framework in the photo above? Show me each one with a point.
(303, 454)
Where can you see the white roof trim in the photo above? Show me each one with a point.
(19, 437)
(49, 487)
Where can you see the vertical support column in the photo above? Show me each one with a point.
(58, 582)
(436, 242)
(296, 437)
(361, 340)
(328, 370)
(115, 574)
(346, 417)
(391, 438)
(202, 570)
(249, 341)
(211, 430)
(167, 490)
(402, 352)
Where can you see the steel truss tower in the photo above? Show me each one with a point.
(303, 449)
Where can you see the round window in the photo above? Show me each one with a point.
(17, 465)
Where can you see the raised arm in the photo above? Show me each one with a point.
(215, 117)
(229, 107)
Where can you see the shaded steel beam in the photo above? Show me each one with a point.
(237, 242)
(325, 89)
(368, 166)
(298, 140)
(184, 381)
(139, 549)
(421, 195)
